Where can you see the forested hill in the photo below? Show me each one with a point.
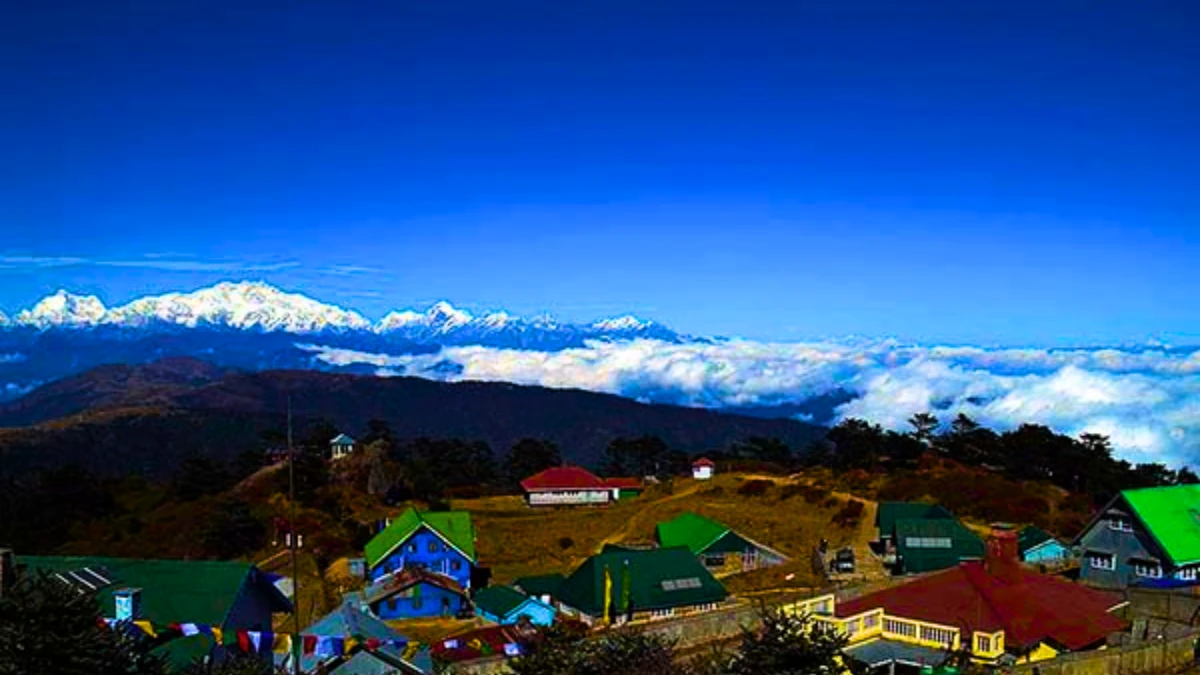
(121, 419)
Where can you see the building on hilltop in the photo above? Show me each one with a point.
(1146, 537)
(573, 485)
(1038, 546)
(416, 592)
(341, 446)
(370, 646)
(703, 468)
(721, 550)
(507, 605)
(624, 585)
(230, 596)
(441, 542)
(998, 610)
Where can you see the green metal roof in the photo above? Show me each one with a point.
(542, 584)
(183, 591)
(658, 578)
(454, 527)
(1172, 515)
(172, 591)
(499, 600)
(1032, 536)
(889, 512)
(692, 530)
(964, 544)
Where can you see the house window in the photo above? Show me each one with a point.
(663, 613)
(1146, 569)
(412, 548)
(1186, 574)
(392, 604)
(1120, 524)
(433, 547)
(714, 561)
(983, 644)
(1102, 561)
(928, 542)
(455, 565)
(416, 602)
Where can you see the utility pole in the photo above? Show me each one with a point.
(292, 542)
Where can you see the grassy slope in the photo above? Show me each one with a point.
(515, 540)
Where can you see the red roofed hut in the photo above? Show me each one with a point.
(566, 485)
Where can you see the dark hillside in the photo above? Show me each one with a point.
(181, 408)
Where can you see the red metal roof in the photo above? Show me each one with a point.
(1034, 608)
(704, 461)
(623, 482)
(563, 478)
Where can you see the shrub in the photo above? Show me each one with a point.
(755, 488)
(832, 502)
(789, 491)
(850, 513)
(565, 543)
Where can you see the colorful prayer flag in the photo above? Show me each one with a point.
(282, 644)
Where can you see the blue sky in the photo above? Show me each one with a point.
(984, 172)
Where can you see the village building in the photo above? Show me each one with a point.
(621, 585)
(915, 538)
(703, 468)
(542, 586)
(341, 446)
(573, 485)
(1038, 546)
(369, 646)
(228, 596)
(441, 542)
(1146, 537)
(721, 550)
(415, 592)
(508, 640)
(507, 605)
(998, 610)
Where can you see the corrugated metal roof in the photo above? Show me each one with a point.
(1172, 515)
(454, 527)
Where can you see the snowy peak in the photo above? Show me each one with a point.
(258, 306)
(441, 317)
(622, 323)
(444, 314)
(243, 305)
(64, 309)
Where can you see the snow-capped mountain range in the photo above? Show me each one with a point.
(260, 307)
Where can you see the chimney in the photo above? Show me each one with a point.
(1001, 560)
(128, 604)
(8, 570)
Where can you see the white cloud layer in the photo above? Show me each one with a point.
(1146, 400)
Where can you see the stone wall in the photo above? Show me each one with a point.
(1146, 657)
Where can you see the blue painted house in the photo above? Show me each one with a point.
(506, 605)
(415, 593)
(395, 655)
(1039, 546)
(441, 542)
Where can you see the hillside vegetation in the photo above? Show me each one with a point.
(144, 420)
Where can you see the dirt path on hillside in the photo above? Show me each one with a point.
(632, 524)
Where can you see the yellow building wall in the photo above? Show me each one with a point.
(1044, 652)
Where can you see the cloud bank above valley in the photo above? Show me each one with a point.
(1146, 400)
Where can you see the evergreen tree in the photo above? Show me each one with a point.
(785, 644)
(47, 626)
(529, 456)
